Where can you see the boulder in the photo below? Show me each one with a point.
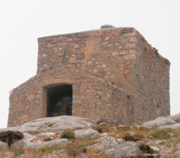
(31, 142)
(52, 124)
(104, 143)
(177, 125)
(47, 127)
(3, 145)
(160, 121)
(82, 133)
(124, 149)
(176, 154)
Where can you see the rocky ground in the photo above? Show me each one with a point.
(69, 136)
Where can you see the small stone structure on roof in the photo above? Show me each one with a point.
(110, 75)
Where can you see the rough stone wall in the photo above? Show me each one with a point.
(107, 54)
(93, 97)
(152, 82)
(116, 77)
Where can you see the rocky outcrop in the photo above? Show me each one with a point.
(46, 132)
(124, 149)
(49, 124)
(164, 122)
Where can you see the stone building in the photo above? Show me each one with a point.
(110, 75)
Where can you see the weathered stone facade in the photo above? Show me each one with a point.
(110, 75)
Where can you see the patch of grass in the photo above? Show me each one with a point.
(170, 130)
(78, 146)
(138, 136)
(169, 141)
(141, 156)
(47, 139)
(146, 149)
(68, 133)
(135, 137)
(142, 128)
(128, 138)
(103, 128)
(19, 152)
(50, 125)
(174, 150)
(123, 128)
(160, 134)
(28, 153)
(47, 149)
(177, 141)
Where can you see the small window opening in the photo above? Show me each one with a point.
(59, 100)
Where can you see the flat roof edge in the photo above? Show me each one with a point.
(49, 38)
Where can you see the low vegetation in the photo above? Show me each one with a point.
(169, 138)
(103, 128)
(68, 133)
(146, 149)
(160, 134)
(10, 137)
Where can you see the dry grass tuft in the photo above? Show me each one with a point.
(160, 134)
(103, 128)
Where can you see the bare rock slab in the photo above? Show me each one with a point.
(51, 124)
(160, 121)
(124, 149)
(164, 122)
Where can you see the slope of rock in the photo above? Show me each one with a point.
(43, 138)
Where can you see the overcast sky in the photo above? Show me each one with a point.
(23, 21)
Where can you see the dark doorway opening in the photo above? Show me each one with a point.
(59, 100)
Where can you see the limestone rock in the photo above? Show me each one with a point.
(124, 149)
(104, 143)
(48, 127)
(176, 117)
(3, 145)
(51, 124)
(81, 133)
(177, 125)
(30, 142)
(10, 154)
(176, 154)
(164, 122)
(160, 121)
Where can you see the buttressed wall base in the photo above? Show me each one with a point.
(110, 75)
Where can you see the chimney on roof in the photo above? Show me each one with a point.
(107, 26)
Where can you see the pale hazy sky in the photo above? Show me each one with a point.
(23, 21)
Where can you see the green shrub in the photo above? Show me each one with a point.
(135, 137)
(69, 134)
(160, 134)
(76, 148)
(45, 149)
(128, 138)
(10, 137)
(146, 149)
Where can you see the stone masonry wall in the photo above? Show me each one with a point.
(107, 54)
(152, 82)
(93, 97)
(115, 74)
